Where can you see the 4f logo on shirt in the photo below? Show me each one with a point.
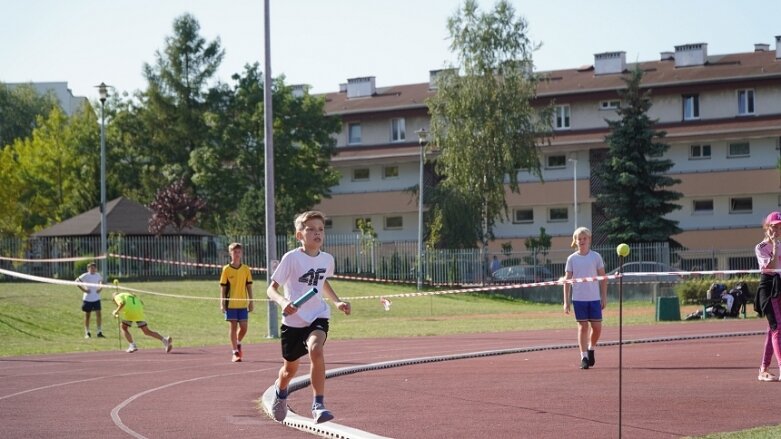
(312, 277)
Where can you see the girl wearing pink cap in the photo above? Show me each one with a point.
(767, 252)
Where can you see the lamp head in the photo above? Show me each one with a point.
(103, 92)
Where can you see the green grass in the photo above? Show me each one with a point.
(40, 318)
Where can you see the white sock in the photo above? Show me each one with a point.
(584, 355)
(100, 329)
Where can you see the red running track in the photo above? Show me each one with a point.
(670, 389)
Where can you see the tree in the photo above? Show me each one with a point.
(482, 118)
(174, 205)
(231, 174)
(176, 104)
(51, 175)
(539, 244)
(19, 108)
(634, 195)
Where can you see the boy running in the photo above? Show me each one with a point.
(133, 311)
(304, 328)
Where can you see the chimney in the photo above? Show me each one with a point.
(687, 55)
(432, 78)
(761, 47)
(609, 62)
(778, 46)
(343, 87)
(299, 90)
(667, 56)
(360, 87)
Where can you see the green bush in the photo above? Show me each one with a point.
(695, 290)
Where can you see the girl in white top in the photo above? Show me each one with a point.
(588, 298)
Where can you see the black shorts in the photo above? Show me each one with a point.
(90, 306)
(294, 339)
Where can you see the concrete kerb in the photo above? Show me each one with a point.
(334, 430)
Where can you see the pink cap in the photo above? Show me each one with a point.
(773, 218)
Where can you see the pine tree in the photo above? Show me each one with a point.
(635, 194)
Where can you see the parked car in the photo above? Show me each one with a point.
(649, 267)
(522, 274)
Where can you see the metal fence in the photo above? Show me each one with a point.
(167, 257)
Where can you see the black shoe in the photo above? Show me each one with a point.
(584, 363)
(100, 335)
(591, 358)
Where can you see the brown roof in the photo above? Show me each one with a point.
(738, 67)
(122, 216)
(398, 97)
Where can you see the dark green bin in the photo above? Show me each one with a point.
(668, 309)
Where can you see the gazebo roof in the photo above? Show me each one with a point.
(123, 216)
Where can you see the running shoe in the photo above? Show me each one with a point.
(320, 414)
(591, 358)
(87, 335)
(236, 357)
(168, 344)
(100, 335)
(766, 376)
(584, 363)
(279, 406)
(241, 353)
(132, 348)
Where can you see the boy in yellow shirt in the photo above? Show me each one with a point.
(133, 311)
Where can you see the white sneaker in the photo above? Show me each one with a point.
(132, 348)
(168, 344)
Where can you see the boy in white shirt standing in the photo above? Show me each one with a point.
(91, 298)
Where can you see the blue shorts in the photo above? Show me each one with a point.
(236, 314)
(588, 311)
(90, 306)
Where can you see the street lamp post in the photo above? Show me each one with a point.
(422, 139)
(103, 91)
(575, 188)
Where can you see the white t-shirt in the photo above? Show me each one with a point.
(297, 273)
(92, 294)
(585, 266)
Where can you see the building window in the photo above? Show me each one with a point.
(555, 162)
(691, 107)
(390, 172)
(739, 150)
(558, 214)
(398, 131)
(699, 152)
(523, 216)
(354, 133)
(745, 102)
(361, 174)
(367, 221)
(613, 104)
(394, 222)
(561, 113)
(329, 223)
(741, 205)
(702, 206)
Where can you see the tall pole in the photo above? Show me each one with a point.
(422, 137)
(268, 119)
(103, 91)
(575, 188)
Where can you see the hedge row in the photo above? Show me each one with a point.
(695, 290)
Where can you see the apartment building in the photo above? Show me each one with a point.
(722, 115)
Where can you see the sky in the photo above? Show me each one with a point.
(324, 42)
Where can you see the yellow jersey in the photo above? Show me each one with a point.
(236, 279)
(133, 309)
